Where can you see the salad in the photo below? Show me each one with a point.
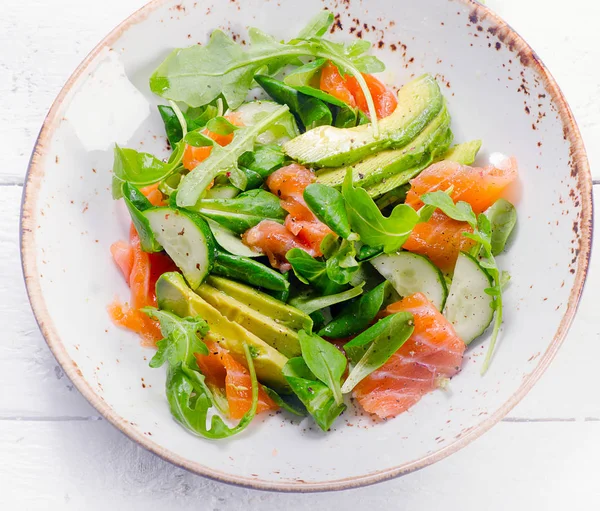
(325, 241)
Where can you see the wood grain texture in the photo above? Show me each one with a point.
(55, 453)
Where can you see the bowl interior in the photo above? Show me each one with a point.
(495, 91)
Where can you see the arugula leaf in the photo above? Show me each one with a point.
(312, 271)
(357, 315)
(503, 217)
(325, 361)
(181, 338)
(482, 235)
(381, 341)
(223, 159)
(460, 211)
(242, 212)
(317, 26)
(310, 304)
(329, 207)
(374, 229)
(141, 169)
(342, 265)
(198, 74)
(316, 396)
(190, 401)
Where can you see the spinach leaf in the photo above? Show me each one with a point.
(306, 74)
(357, 315)
(198, 74)
(286, 403)
(503, 217)
(181, 339)
(242, 212)
(136, 203)
(311, 303)
(325, 361)
(141, 169)
(264, 160)
(312, 271)
(223, 159)
(252, 272)
(381, 341)
(316, 396)
(329, 207)
(195, 118)
(366, 253)
(374, 229)
(342, 265)
(317, 26)
(310, 111)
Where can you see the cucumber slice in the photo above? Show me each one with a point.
(187, 239)
(468, 307)
(413, 273)
(230, 241)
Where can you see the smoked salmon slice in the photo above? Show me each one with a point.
(223, 371)
(301, 230)
(441, 239)
(480, 187)
(433, 351)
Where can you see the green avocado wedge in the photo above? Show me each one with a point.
(283, 339)
(419, 102)
(174, 295)
(386, 164)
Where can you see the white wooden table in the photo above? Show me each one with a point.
(56, 453)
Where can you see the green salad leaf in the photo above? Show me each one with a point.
(358, 314)
(503, 218)
(136, 203)
(250, 271)
(342, 265)
(374, 229)
(195, 118)
(223, 159)
(181, 339)
(315, 395)
(198, 74)
(374, 347)
(312, 271)
(325, 361)
(242, 212)
(313, 303)
(317, 26)
(329, 207)
(306, 74)
(264, 160)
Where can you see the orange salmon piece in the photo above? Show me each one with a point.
(432, 352)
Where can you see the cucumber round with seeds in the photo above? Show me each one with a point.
(469, 307)
(187, 239)
(413, 273)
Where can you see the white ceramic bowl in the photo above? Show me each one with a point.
(497, 90)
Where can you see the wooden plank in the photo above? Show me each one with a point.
(77, 465)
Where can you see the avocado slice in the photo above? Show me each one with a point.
(174, 295)
(283, 339)
(382, 166)
(442, 142)
(282, 313)
(419, 102)
(464, 153)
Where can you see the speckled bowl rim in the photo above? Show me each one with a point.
(34, 177)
